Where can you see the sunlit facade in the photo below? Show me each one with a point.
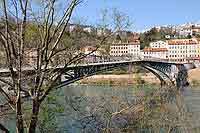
(181, 50)
(154, 54)
(125, 49)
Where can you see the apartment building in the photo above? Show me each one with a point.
(198, 51)
(174, 50)
(125, 49)
(154, 54)
(181, 50)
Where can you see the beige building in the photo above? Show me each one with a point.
(174, 50)
(125, 49)
(181, 50)
(154, 54)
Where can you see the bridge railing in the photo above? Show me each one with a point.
(156, 59)
(102, 59)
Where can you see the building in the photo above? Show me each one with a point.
(181, 50)
(30, 57)
(71, 27)
(158, 44)
(198, 51)
(154, 54)
(174, 50)
(102, 31)
(186, 31)
(134, 37)
(183, 30)
(196, 29)
(125, 49)
(93, 50)
(167, 36)
(89, 29)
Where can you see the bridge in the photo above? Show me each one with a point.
(167, 72)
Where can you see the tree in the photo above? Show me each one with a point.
(16, 39)
(41, 26)
(121, 21)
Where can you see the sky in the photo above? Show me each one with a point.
(144, 14)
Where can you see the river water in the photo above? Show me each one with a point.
(86, 108)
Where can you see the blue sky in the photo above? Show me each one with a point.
(144, 13)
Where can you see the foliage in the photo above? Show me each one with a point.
(154, 35)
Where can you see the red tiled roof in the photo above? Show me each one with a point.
(183, 42)
(155, 50)
(128, 43)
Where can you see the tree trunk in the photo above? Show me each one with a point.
(4, 129)
(19, 121)
(34, 116)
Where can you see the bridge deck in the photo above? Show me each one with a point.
(6, 70)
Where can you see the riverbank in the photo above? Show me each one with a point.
(123, 79)
(140, 78)
(194, 76)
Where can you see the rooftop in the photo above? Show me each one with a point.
(155, 50)
(126, 43)
(182, 42)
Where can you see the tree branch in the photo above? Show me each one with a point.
(3, 128)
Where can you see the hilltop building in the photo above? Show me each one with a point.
(185, 31)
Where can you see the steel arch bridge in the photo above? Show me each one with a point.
(166, 72)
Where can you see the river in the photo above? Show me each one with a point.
(86, 108)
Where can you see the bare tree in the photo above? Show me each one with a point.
(50, 32)
(50, 20)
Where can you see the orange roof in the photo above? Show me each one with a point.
(127, 43)
(155, 50)
(88, 48)
(182, 42)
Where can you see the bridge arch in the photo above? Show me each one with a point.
(87, 71)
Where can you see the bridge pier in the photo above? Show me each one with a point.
(182, 77)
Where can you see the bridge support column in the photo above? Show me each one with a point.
(129, 71)
(181, 79)
(162, 83)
